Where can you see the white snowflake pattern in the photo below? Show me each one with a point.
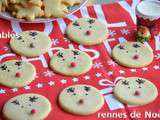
(122, 72)
(133, 70)
(27, 87)
(48, 73)
(63, 81)
(39, 85)
(51, 83)
(98, 74)
(111, 63)
(112, 33)
(97, 65)
(124, 32)
(110, 73)
(158, 56)
(156, 67)
(55, 41)
(2, 91)
(75, 79)
(144, 69)
(86, 77)
(14, 89)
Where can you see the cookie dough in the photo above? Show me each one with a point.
(31, 43)
(81, 99)
(135, 91)
(14, 73)
(132, 54)
(87, 31)
(71, 62)
(27, 107)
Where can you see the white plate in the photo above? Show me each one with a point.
(8, 16)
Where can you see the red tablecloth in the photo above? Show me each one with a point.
(122, 25)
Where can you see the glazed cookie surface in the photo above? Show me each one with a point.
(27, 107)
(31, 43)
(14, 73)
(135, 91)
(132, 54)
(87, 31)
(81, 99)
(71, 62)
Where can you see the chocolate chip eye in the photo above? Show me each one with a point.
(80, 28)
(29, 105)
(22, 40)
(33, 99)
(91, 21)
(74, 57)
(126, 51)
(128, 87)
(90, 26)
(8, 70)
(22, 106)
(136, 45)
(140, 87)
(86, 94)
(74, 94)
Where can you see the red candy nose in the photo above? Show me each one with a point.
(88, 32)
(18, 74)
(135, 57)
(33, 111)
(73, 64)
(137, 93)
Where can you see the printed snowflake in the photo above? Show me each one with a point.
(124, 32)
(48, 73)
(51, 83)
(158, 56)
(156, 67)
(14, 89)
(86, 77)
(144, 69)
(98, 74)
(133, 70)
(75, 79)
(112, 33)
(27, 87)
(39, 85)
(122, 72)
(55, 41)
(97, 65)
(63, 81)
(110, 73)
(111, 63)
(2, 91)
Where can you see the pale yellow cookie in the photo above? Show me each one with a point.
(71, 62)
(81, 99)
(14, 73)
(132, 54)
(87, 31)
(31, 43)
(27, 107)
(135, 91)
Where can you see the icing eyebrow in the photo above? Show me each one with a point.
(91, 21)
(75, 52)
(19, 37)
(33, 99)
(136, 45)
(71, 90)
(60, 55)
(18, 63)
(140, 81)
(33, 33)
(125, 82)
(86, 88)
(121, 47)
(16, 102)
(76, 23)
(3, 67)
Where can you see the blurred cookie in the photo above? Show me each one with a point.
(87, 31)
(14, 73)
(81, 99)
(135, 91)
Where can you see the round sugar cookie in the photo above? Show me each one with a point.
(135, 91)
(71, 62)
(15, 73)
(27, 107)
(87, 31)
(132, 54)
(31, 43)
(81, 99)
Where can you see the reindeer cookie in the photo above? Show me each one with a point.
(132, 54)
(81, 99)
(14, 73)
(27, 107)
(87, 31)
(71, 62)
(31, 43)
(3, 5)
(135, 91)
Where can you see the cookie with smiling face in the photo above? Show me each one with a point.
(71, 62)
(14, 73)
(27, 107)
(87, 31)
(31, 43)
(135, 91)
(81, 99)
(132, 54)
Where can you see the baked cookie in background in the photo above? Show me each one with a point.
(87, 31)
(27, 107)
(135, 91)
(71, 62)
(31, 43)
(81, 99)
(132, 54)
(14, 73)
